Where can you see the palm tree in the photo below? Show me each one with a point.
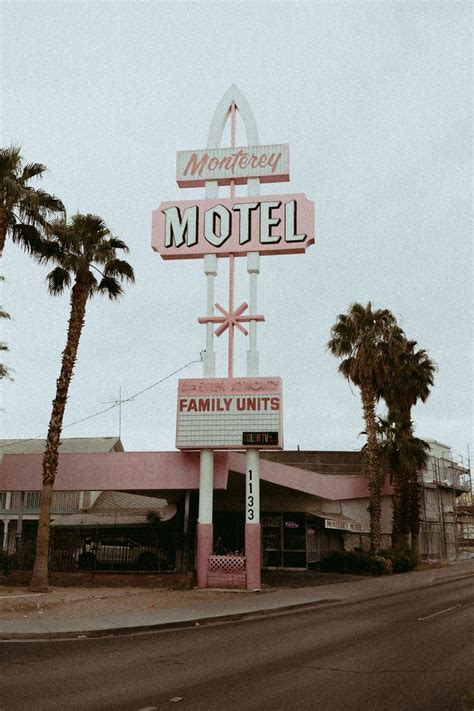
(24, 210)
(364, 338)
(407, 456)
(412, 379)
(79, 249)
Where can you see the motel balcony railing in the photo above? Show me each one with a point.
(29, 503)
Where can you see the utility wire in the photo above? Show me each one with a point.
(107, 409)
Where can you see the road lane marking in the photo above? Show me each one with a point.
(441, 612)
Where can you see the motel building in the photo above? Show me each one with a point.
(312, 502)
(230, 500)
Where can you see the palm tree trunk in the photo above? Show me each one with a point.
(414, 512)
(400, 524)
(79, 294)
(3, 228)
(372, 467)
(396, 512)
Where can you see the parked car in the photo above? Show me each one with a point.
(118, 552)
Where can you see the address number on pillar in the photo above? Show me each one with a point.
(250, 498)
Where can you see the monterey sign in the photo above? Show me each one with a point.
(271, 164)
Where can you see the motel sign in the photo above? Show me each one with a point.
(270, 164)
(239, 413)
(273, 224)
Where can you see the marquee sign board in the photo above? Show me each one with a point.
(271, 164)
(270, 224)
(342, 525)
(230, 413)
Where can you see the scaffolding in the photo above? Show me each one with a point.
(445, 481)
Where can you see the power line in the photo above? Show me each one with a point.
(107, 409)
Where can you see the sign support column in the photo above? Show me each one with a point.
(253, 544)
(206, 462)
(231, 413)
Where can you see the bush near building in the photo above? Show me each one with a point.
(386, 562)
(8, 563)
(402, 561)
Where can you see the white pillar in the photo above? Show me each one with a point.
(206, 464)
(204, 527)
(206, 485)
(253, 269)
(252, 471)
(252, 486)
(210, 270)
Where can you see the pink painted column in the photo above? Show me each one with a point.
(203, 551)
(253, 555)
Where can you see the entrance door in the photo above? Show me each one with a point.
(294, 540)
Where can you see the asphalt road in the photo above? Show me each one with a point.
(407, 652)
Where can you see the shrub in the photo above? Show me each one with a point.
(402, 561)
(355, 562)
(8, 562)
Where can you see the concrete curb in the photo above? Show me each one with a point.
(160, 626)
(213, 619)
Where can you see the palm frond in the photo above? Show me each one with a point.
(118, 244)
(32, 170)
(119, 268)
(29, 237)
(58, 280)
(93, 284)
(111, 287)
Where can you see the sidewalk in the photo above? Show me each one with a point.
(75, 613)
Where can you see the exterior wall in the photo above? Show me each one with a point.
(334, 463)
(292, 481)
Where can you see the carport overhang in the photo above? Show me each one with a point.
(166, 472)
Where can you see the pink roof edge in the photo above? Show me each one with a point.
(135, 471)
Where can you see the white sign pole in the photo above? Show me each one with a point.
(234, 99)
(252, 477)
(204, 544)
(206, 464)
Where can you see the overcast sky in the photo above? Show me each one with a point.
(374, 100)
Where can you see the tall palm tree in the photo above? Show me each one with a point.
(407, 456)
(24, 210)
(80, 249)
(363, 339)
(411, 381)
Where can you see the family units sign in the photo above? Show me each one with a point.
(219, 413)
